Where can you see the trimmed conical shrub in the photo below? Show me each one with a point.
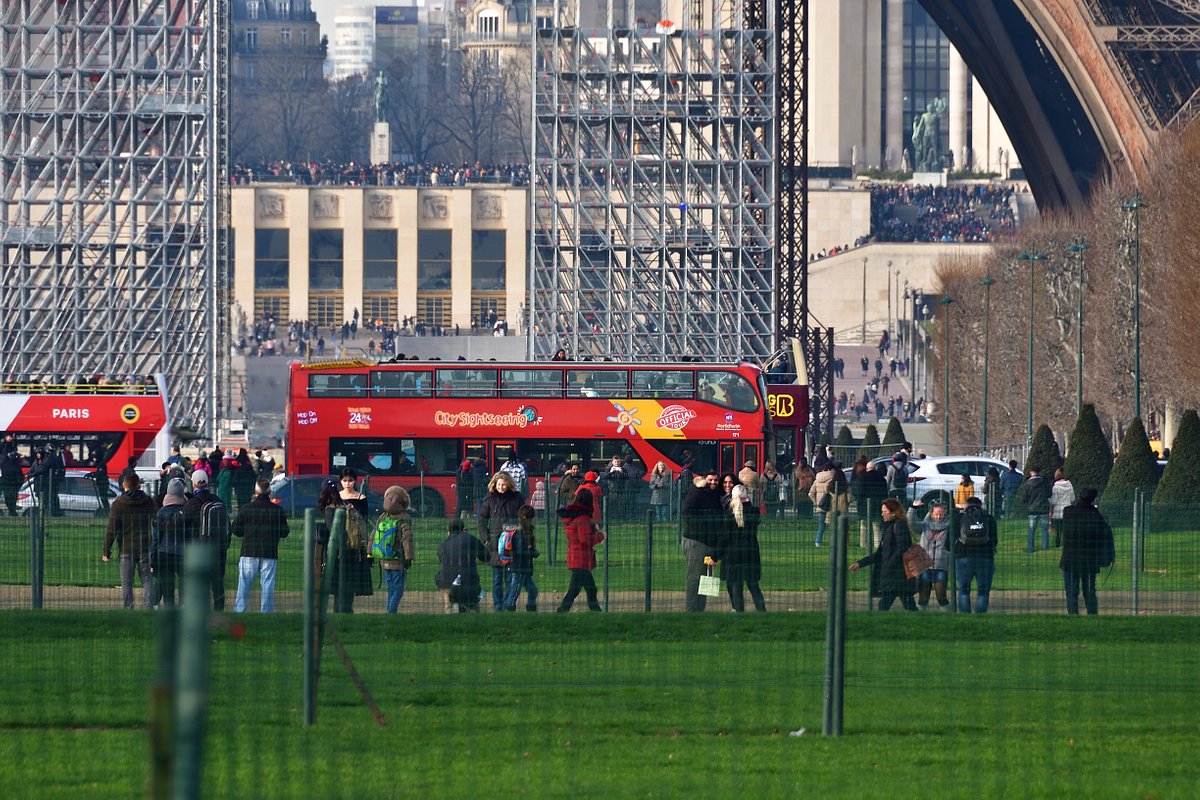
(869, 448)
(1181, 479)
(893, 437)
(1135, 467)
(843, 445)
(1089, 458)
(1044, 453)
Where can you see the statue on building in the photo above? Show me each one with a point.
(381, 96)
(925, 135)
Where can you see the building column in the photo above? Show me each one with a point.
(958, 110)
(895, 84)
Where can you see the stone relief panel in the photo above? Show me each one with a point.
(435, 205)
(272, 206)
(489, 207)
(379, 205)
(325, 206)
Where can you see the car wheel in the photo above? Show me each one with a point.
(426, 503)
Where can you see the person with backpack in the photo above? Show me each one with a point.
(460, 555)
(170, 532)
(888, 581)
(260, 524)
(1034, 495)
(897, 476)
(582, 537)
(1087, 547)
(501, 505)
(210, 519)
(519, 551)
(975, 556)
(392, 546)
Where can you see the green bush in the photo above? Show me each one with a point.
(1044, 453)
(845, 439)
(1181, 479)
(869, 448)
(1089, 458)
(1135, 467)
(893, 437)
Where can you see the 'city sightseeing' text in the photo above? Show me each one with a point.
(468, 419)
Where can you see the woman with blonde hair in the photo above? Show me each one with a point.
(660, 491)
(501, 505)
(742, 563)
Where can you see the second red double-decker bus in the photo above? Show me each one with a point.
(417, 421)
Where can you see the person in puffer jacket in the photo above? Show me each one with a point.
(582, 536)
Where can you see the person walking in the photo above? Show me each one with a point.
(975, 557)
(1062, 495)
(1034, 495)
(830, 494)
(1010, 481)
(741, 562)
(129, 526)
(870, 489)
(888, 580)
(500, 506)
(260, 524)
(351, 563)
(660, 491)
(935, 540)
(524, 551)
(1087, 546)
(582, 537)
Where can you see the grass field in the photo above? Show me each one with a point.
(623, 705)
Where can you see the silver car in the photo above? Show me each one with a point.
(76, 495)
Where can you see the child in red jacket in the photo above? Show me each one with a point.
(582, 536)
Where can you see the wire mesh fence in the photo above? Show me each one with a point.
(100, 701)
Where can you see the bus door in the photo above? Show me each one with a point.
(475, 451)
(729, 462)
(750, 452)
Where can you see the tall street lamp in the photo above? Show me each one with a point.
(887, 276)
(1032, 258)
(1077, 248)
(986, 283)
(946, 301)
(1135, 205)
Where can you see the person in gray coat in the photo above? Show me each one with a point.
(660, 491)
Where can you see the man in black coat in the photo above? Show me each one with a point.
(244, 477)
(460, 555)
(261, 524)
(1087, 546)
(975, 561)
(870, 490)
(1034, 494)
(703, 534)
(209, 518)
(11, 478)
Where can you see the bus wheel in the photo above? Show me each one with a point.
(426, 503)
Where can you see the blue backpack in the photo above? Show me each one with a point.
(385, 539)
(504, 547)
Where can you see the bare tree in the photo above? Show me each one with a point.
(348, 124)
(288, 101)
(476, 112)
(417, 106)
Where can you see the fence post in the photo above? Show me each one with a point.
(162, 698)
(192, 669)
(37, 541)
(310, 632)
(831, 624)
(604, 516)
(421, 483)
(649, 555)
(1135, 545)
(842, 543)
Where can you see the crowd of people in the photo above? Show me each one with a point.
(326, 173)
(977, 213)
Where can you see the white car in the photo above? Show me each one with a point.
(76, 495)
(934, 478)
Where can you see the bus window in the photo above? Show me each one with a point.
(727, 390)
(673, 383)
(332, 384)
(436, 456)
(365, 456)
(401, 383)
(531, 383)
(597, 383)
(466, 382)
(729, 458)
(701, 454)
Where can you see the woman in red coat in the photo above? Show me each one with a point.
(582, 536)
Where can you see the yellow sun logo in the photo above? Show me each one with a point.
(624, 418)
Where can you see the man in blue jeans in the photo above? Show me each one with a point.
(1034, 494)
(1010, 481)
(975, 556)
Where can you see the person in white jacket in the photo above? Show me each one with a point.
(1062, 494)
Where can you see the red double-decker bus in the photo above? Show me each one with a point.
(89, 422)
(416, 421)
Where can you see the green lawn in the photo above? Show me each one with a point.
(623, 705)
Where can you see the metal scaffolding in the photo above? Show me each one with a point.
(654, 216)
(113, 185)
